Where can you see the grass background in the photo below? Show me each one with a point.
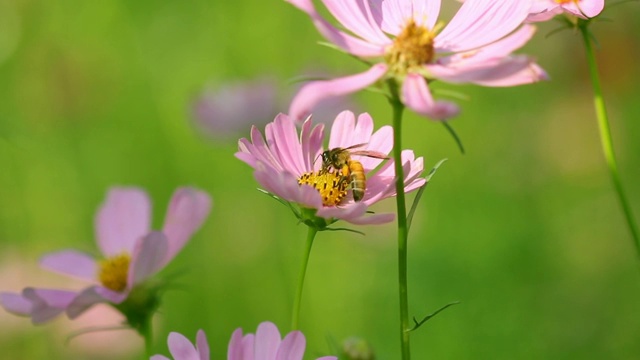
(524, 229)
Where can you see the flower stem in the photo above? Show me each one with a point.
(147, 333)
(605, 135)
(403, 230)
(311, 234)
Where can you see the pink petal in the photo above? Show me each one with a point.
(311, 144)
(373, 219)
(235, 348)
(310, 94)
(181, 348)
(285, 186)
(342, 130)
(248, 348)
(159, 357)
(417, 97)
(509, 71)
(481, 22)
(267, 341)
(496, 50)
(397, 13)
(588, 8)
(292, 347)
(327, 358)
(381, 141)
(148, 258)
(122, 220)
(47, 303)
(202, 345)
(91, 296)
(348, 43)
(188, 209)
(71, 262)
(356, 16)
(16, 304)
(350, 211)
(282, 135)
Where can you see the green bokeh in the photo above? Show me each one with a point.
(524, 229)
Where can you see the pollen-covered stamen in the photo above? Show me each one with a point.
(412, 48)
(565, 1)
(113, 272)
(332, 186)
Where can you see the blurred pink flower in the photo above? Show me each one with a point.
(182, 349)
(133, 253)
(285, 157)
(543, 10)
(232, 108)
(266, 344)
(475, 47)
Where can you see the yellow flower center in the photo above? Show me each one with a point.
(412, 48)
(565, 1)
(332, 186)
(113, 272)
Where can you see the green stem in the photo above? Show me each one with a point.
(403, 230)
(605, 136)
(147, 333)
(311, 234)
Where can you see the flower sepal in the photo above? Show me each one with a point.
(141, 304)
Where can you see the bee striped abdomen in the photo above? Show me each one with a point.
(358, 180)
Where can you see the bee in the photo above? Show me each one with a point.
(352, 170)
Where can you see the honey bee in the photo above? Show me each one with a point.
(340, 160)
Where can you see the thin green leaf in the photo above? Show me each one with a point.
(455, 135)
(426, 318)
(414, 205)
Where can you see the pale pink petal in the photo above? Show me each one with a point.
(346, 212)
(417, 97)
(159, 357)
(588, 8)
(285, 186)
(311, 144)
(258, 150)
(235, 348)
(310, 94)
(373, 219)
(122, 220)
(381, 141)
(508, 71)
(341, 130)
(91, 296)
(545, 15)
(397, 13)
(292, 347)
(188, 209)
(327, 358)
(356, 16)
(16, 304)
(499, 49)
(267, 341)
(47, 303)
(181, 348)
(71, 262)
(148, 258)
(481, 22)
(282, 137)
(248, 343)
(348, 43)
(202, 345)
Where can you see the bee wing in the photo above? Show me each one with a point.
(370, 153)
(355, 146)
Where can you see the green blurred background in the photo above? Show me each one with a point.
(524, 229)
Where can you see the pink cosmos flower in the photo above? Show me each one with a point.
(132, 254)
(182, 349)
(285, 158)
(543, 10)
(266, 344)
(474, 47)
